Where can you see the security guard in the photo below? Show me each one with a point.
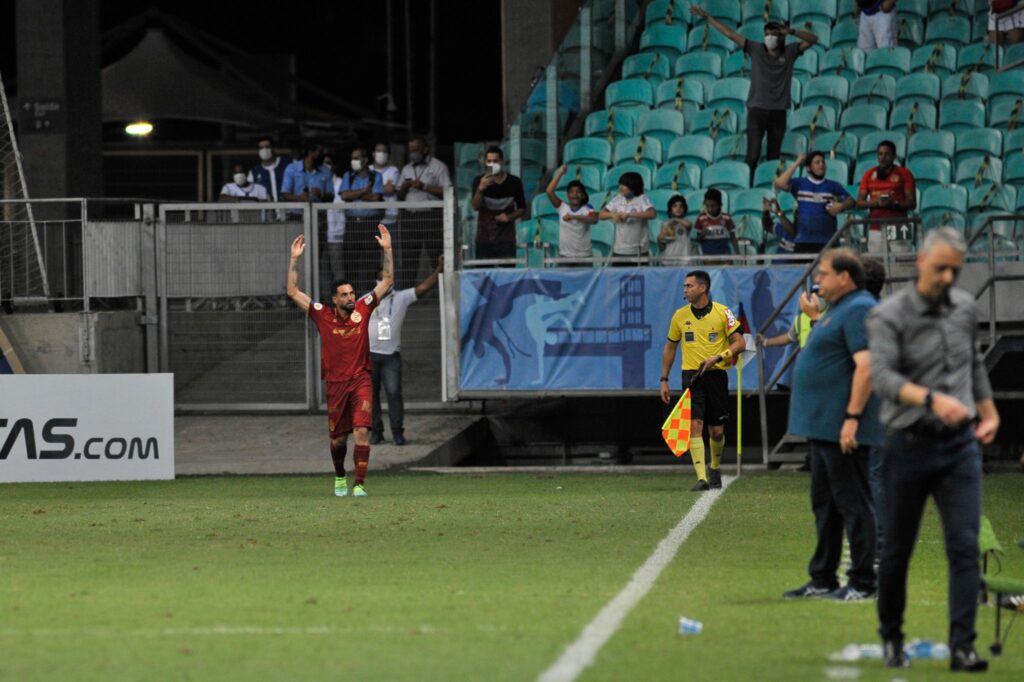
(711, 335)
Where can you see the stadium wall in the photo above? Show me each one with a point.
(79, 343)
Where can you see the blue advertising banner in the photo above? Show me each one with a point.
(598, 329)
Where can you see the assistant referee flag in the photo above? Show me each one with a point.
(676, 429)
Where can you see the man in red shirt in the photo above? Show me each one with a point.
(345, 360)
(889, 191)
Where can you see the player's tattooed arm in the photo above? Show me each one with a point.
(301, 299)
(387, 277)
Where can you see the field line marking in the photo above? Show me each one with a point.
(580, 654)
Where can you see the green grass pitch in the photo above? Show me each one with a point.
(439, 578)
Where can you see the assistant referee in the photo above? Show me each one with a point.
(711, 335)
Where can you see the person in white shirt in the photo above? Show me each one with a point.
(575, 217)
(422, 179)
(389, 175)
(674, 238)
(241, 188)
(630, 209)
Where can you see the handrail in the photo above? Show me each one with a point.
(988, 228)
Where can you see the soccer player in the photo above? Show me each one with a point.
(711, 335)
(345, 360)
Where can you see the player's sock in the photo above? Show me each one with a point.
(716, 452)
(697, 453)
(338, 457)
(362, 457)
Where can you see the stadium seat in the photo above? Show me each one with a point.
(966, 86)
(932, 143)
(669, 40)
(653, 66)
(812, 10)
(812, 120)
(705, 67)
(844, 35)
(1013, 170)
(713, 122)
(877, 89)
(726, 11)
(979, 142)
(766, 172)
(588, 150)
(1013, 54)
(922, 116)
(660, 198)
(807, 63)
(1005, 86)
(729, 93)
(909, 32)
(918, 87)
(677, 175)
(847, 62)
(667, 12)
(705, 39)
(846, 9)
(979, 27)
(730, 147)
(944, 198)
(869, 142)
(602, 236)
(894, 61)
(958, 116)
(821, 29)
(633, 92)
(541, 207)
(830, 91)
(642, 149)
(842, 145)
(727, 175)
(778, 10)
(695, 150)
(590, 176)
(977, 57)
(939, 59)
(748, 202)
(954, 30)
(682, 94)
(929, 172)
(979, 171)
(664, 124)
(752, 30)
(1013, 143)
(736, 64)
(917, 8)
(991, 198)
(611, 178)
(532, 152)
(837, 170)
(793, 144)
(863, 119)
(623, 123)
(1006, 113)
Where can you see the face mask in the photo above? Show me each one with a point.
(266, 153)
(771, 42)
(357, 165)
(415, 157)
(495, 168)
(629, 195)
(380, 158)
(239, 179)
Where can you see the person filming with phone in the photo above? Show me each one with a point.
(499, 202)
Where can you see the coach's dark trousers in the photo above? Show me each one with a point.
(841, 498)
(949, 469)
(759, 122)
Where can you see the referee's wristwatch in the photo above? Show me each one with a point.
(664, 378)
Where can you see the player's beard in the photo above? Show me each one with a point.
(348, 307)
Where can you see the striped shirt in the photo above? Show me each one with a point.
(814, 225)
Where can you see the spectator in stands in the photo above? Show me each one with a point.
(1012, 27)
(674, 238)
(389, 177)
(877, 24)
(499, 202)
(385, 353)
(575, 218)
(818, 199)
(630, 209)
(269, 172)
(771, 80)
(362, 256)
(888, 190)
(716, 230)
(307, 179)
(240, 188)
(332, 251)
(422, 179)
(774, 221)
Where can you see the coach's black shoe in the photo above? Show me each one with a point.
(400, 439)
(809, 590)
(376, 438)
(966, 660)
(892, 651)
(700, 486)
(714, 477)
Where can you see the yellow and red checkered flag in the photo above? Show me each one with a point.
(676, 429)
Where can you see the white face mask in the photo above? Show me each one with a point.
(380, 158)
(357, 165)
(771, 42)
(495, 168)
(239, 179)
(266, 153)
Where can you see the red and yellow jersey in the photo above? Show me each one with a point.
(705, 336)
(344, 343)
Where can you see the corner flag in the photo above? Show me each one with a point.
(676, 429)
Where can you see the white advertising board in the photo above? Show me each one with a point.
(86, 427)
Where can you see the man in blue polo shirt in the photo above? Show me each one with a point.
(307, 179)
(362, 255)
(819, 200)
(832, 406)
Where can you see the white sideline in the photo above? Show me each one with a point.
(581, 653)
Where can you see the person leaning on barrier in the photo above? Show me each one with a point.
(818, 199)
(240, 189)
(307, 179)
(422, 179)
(938, 408)
(888, 190)
(269, 172)
(499, 202)
(360, 184)
(389, 178)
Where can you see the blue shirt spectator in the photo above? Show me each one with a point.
(354, 183)
(819, 201)
(306, 179)
(269, 172)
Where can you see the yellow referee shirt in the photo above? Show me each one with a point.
(703, 337)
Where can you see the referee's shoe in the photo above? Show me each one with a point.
(715, 478)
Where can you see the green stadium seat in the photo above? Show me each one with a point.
(706, 39)
(1006, 113)
(918, 87)
(541, 206)
(726, 11)
(591, 177)
(611, 178)
(752, 30)
(944, 198)
(894, 61)
(766, 171)
(660, 198)
(664, 124)
(1013, 54)
(909, 32)
(819, 28)
(695, 150)
(643, 150)
(705, 67)
(669, 40)
(977, 57)
(869, 142)
(979, 27)
(932, 143)
(958, 116)
(877, 89)
(793, 144)
(954, 30)
(846, 9)
(1006, 86)
(979, 171)
(844, 35)
(838, 171)
(677, 175)
(623, 123)
(713, 122)
(748, 202)
(633, 92)
(589, 150)
(736, 64)
(842, 145)
(923, 116)
(917, 8)
(652, 66)
(682, 94)
(1020, 203)
(929, 172)
(847, 62)
(1013, 143)
(830, 91)
(778, 10)
(966, 86)
(991, 198)
(532, 152)
(939, 59)
(812, 120)
(979, 142)
(602, 236)
(807, 63)
(863, 119)
(1013, 170)
(796, 90)
(667, 12)
(727, 175)
(730, 147)
(812, 10)
(729, 93)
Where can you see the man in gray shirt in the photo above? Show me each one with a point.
(938, 408)
(771, 78)
(385, 354)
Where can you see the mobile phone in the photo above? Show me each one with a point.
(814, 289)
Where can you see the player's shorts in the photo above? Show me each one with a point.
(709, 399)
(349, 404)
